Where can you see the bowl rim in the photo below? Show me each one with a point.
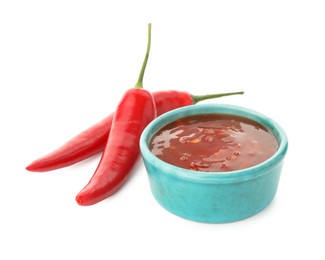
(214, 177)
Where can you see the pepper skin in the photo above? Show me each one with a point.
(134, 113)
(93, 140)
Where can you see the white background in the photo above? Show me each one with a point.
(65, 64)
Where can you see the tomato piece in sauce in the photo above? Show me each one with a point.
(214, 143)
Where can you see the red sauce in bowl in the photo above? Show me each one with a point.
(213, 143)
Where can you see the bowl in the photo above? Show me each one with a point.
(213, 197)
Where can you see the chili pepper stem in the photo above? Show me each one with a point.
(139, 82)
(205, 97)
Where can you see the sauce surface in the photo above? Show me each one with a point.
(213, 143)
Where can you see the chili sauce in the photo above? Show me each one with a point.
(213, 143)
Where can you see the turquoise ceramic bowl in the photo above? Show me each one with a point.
(213, 197)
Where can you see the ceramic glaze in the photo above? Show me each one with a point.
(213, 198)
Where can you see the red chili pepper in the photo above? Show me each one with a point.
(134, 112)
(93, 140)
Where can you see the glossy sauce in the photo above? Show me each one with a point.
(214, 143)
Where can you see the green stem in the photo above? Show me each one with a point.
(140, 79)
(205, 97)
